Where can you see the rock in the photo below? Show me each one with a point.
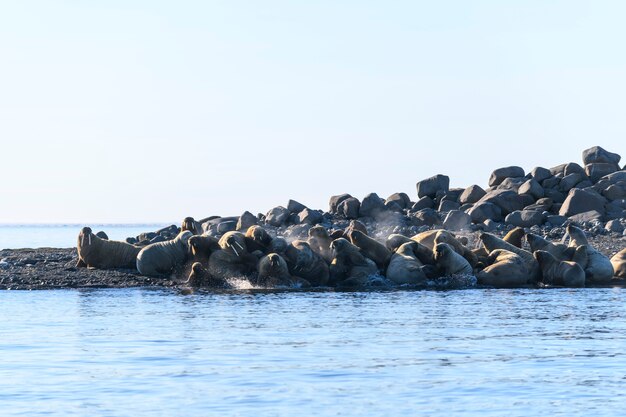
(489, 225)
(554, 195)
(598, 170)
(157, 239)
(507, 200)
(309, 216)
(401, 199)
(422, 203)
(551, 183)
(501, 174)
(224, 226)
(424, 217)
(102, 235)
(525, 218)
(294, 207)
(581, 201)
(615, 191)
(277, 216)
(531, 187)
(557, 221)
(430, 186)
(457, 220)
(598, 154)
(512, 184)
(616, 177)
(569, 181)
(573, 168)
(246, 220)
(614, 211)
(482, 211)
(453, 194)
(471, 195)
(539, 174)
(335, 201)
(583, 184)
(371, 205)
(586, 217)
(131, 240)
(447, 205)
(614, 226)
(349, 208)
(559, 169)
(392, 206)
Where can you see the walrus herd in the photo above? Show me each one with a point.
(359, 244)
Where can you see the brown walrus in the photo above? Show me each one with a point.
(305, 263)
(193, 226)
(515, 236)
(200, 277)
(320, 241)
(450, 262)
(274, 272)
(491, 243)
(201, 247)
(619, 264)
(371, 248)
(559, 273)
(162, 257)
(506, 270)
(349, 267)
(95, 252)
(405, 267)
(599, 269)
(257, 238)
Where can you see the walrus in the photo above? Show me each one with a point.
(404, 266)
(201, 247)
(560, 251)
(230, 263)
(559, 273)
(279, 245)
(506, 270)
(619, 264)
(599, 269)
(491, 243)
(193, 226)
(274, 272)
(200, 277)
(319, 241)
(257, 238)
(234, 242)
(355, 225)
(515, 236)
(431, 238)
(305, 263)
(95, 252)
(450, 262)
(371, 248)
(395, 240)
(162, 257)
(349, 267)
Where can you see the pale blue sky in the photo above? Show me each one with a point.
(142, 111)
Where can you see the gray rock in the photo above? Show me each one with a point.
(226, 226)
(508, 201)
(598, 154)
(614, 226)
(453, 194)
(489, 225)
(401, 199)
(525, 218)
(102, 235)
(392, 206)
(246, 220)
(539, 174)
(349, 208)
(590, 216)
(598, 170)
(531, 187)
(614, 211)
(457, 220)
(583, 184)
(430, 186)
(616, 177)
(556, 220)
(484, 210)
(131, 240)
(157, 239)
(447, 205)
(512, 184)
(615, 191)
(573, 168)
(335, 201)
(471, 194)
(501, 174)
(309, 216)
(371, 205)
(277, 216)
(559, 169)
(551, 182)
(424, 217)
(569, 181)
(554, 195)
(581, 201)
(422, 203)
(294, 207)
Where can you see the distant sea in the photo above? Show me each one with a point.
(13, 236)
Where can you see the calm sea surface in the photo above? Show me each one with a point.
(155, 352)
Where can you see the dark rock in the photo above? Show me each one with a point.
(246, 220)
(581, 201)
(614, 226)
(447, 205)
(569, 181)
(277, 216)
(614, 211)
(616, 177)
(453, 194)
(457, 220)
(102, 235)
(335, 201)
(583, 184)
(501, 174)
(294, 207)
(430, 186)
(401, 199)
(512, 184)
(349, 208)
(525, 218)
(556, 220)
(131, 240)
(157, 238)
(554, 195)
(309, 216)
(471, 195)
(424, 217)
(422, 203)
(392, 206)
(598, 154)
(226, 226)
(559, 169)
(586, 217)
(531, 187)
(482, 211)
(598, 170)
(573, 168)
(507, 200)
(526, 200)
(539, 174)
(371, 205)
(551, 182)
(147, 236)
(489, 225)
(615, 191)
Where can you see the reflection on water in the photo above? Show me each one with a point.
(156, 352)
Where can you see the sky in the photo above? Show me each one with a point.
(151, 111)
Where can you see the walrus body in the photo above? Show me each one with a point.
(394, 241)
(431, 238)
(307, 264)
(320, 241)
(227, 264)
(95, 252)
(405, 267)
(514, 237)
(193, 226)
(201, 247)
(349, 267)
(619, 264)
(274, 272)
(559, 273)
(257, 238)
(162, 257)
(506, 270)
(372, 249)
(200, 277)
(599, 269)
(491, 243)
(558, 250)
(450, 262)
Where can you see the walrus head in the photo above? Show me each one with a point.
(300, 254)
(318, 232)
(259, 235)
(189, 224)
(441, 250)
(235, 242)
(85, 232)
(576, 235)
(535, 242)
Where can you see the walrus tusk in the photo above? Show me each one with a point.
(237, 243)
(89, 239)
(233, 248)
(82, 239)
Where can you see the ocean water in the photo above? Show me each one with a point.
(148, 352)
(14, 236)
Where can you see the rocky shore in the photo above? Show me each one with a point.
(542, 202)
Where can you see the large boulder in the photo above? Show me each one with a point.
(335, 201)
(581, 201)
(401, 199)
(422, 203)
(512, 184)
(425, 217)
(525, 218)
(371, 205)
(471, 195)
(592, 216)
(615, 191)
(277, 216)
(507, 200)
(482, 211)
(569, 181)
(573, 168)
(349, 208)
(598, 170)
(430, 186)
(246, 220)
(539, 174)
(309, 216)
(597, 154)
(447, 205)
(531, 187)
(501, 174)
(457, 220)
(294, 207)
